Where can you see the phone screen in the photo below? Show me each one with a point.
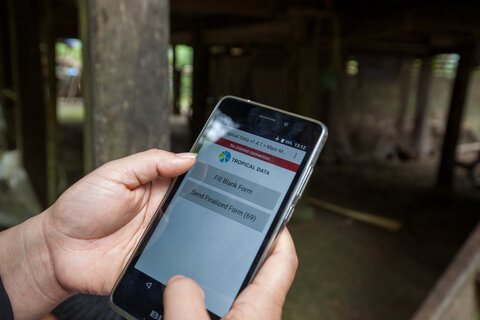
(219, 214)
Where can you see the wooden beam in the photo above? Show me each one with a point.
(405, 83)
(27, 85)
(249, 8)
(454, 120)
(65, 19)
(125, 77)
(405, 30)
(275, 32)
(442, 302)
(453, 20)
(199, 82)
(50, 97)
(6, 99)
(391, 47)
(421, 140)
(282, 31)
(176, 77)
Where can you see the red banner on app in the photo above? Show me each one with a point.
(258, 154)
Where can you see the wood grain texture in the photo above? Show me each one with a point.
(454, 295)
(126, 77)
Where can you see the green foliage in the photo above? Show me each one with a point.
(64, 51)
(170, 55)
(184, 64)
(184, 55)
(445, 65)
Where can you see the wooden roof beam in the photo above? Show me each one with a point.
(387, 47)
(277, 32)
(250, 8)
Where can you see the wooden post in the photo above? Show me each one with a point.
(334, 95)
(200, 80)
(176, 77)
(421, 141)
(27, 86)
(405, 82)
(294, 46)
(454, 120)
(50, 97)
(307, 56)
(125, 77)
(7, 96)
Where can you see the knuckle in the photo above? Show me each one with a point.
(294, 261)
(155, 151)
(245, 312)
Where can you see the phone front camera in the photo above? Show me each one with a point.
(285, 124)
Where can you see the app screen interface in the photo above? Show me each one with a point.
(215, 224)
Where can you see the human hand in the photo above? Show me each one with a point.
(98, 221)
(262, 299)
(83, 241)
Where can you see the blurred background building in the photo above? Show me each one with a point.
(387, 226)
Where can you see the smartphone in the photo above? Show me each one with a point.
(219, 221)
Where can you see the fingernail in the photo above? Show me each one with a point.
(179, 276)
(187, 155)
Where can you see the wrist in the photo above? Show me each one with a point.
(27, 270)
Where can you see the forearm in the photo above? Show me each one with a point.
(27, 271)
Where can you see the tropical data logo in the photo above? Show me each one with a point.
(224, 157)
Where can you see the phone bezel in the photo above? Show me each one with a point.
(229, 105)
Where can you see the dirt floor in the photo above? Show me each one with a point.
(350, 270)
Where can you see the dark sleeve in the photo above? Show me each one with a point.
(6, 312)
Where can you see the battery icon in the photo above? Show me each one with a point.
(281, 141)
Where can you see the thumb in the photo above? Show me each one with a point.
(144, 167)
(183, 299)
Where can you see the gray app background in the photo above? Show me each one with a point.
(215, 224)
